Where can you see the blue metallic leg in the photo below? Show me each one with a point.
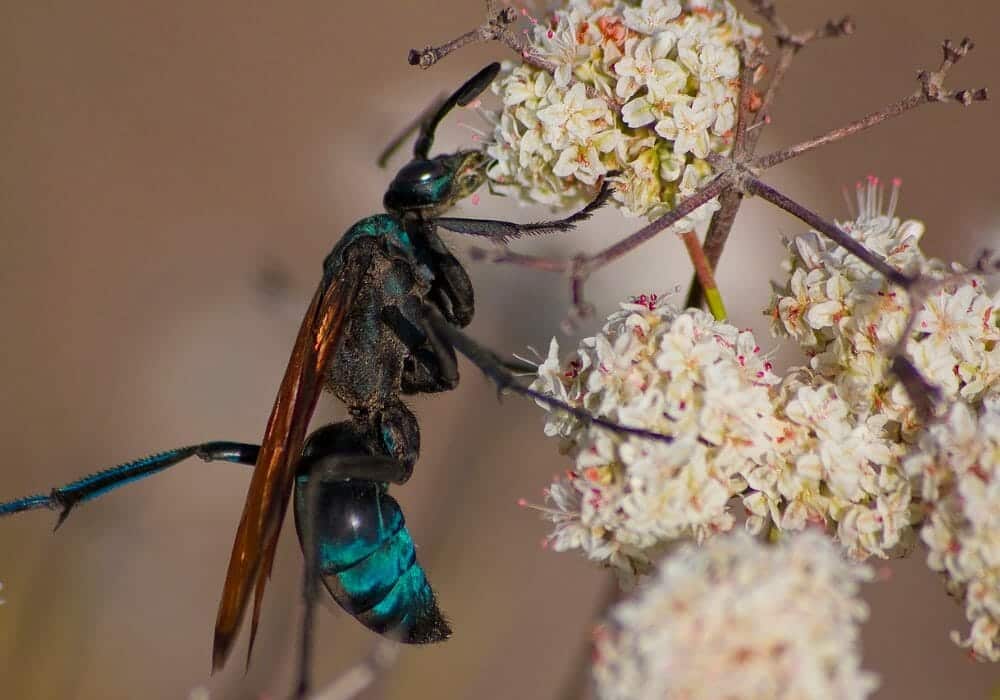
(65, 498)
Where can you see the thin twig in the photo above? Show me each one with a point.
(790, 45)
(828, 229)
(495, 28)
(712, 189)
(580, 267)
(767, 10)
(931, 90)
(752, 58)
(729, 205)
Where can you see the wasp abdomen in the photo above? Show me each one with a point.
(368, 562)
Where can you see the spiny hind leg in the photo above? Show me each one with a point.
(65, 498)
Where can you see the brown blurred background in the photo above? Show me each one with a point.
(171, 176)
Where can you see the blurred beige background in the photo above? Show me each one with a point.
(171, 176)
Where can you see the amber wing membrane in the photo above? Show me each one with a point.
(274, 474)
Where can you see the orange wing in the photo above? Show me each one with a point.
(274, 474)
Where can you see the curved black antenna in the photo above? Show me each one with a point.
(472, 88)
(402, 136)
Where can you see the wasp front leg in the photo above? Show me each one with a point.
(506, 230)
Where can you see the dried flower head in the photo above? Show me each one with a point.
(739, 619)
(647, 91)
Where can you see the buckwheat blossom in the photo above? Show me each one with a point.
(679, 373)
(791, 451)
(956, 469)
(645, 91)
(652, 16)
(832, 471)
(848, 319)
(739, 619)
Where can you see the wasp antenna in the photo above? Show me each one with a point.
(413, 126)
(469, 91)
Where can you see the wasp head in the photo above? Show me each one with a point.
(431, 187)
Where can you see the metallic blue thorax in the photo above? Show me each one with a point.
(389, 232)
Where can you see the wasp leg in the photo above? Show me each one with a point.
(377, 445)
(499, 373)
(65, 498)
(451, 289)
(431, 366)
(506, 230)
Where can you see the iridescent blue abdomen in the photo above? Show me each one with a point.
(368, 562)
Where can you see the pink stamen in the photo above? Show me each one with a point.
(897, 183)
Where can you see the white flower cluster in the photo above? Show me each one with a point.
(680, 374)
(847, 318)
(835, 446)
(646, 90)
(957, 471)
(790, 451)
(738, 619)
(828, 470)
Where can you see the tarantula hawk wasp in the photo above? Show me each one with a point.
(384, 321)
